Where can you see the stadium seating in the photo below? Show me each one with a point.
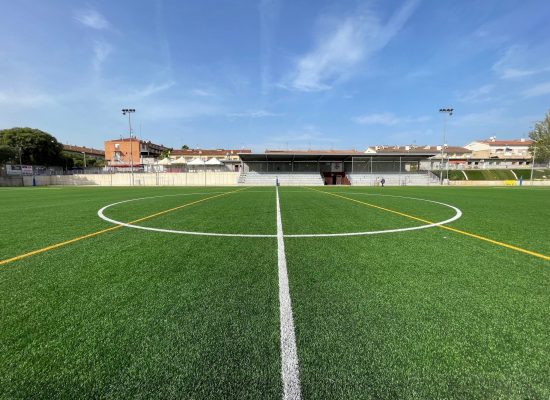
(285, 179)
(393, 179)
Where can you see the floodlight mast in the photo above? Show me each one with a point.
(448, 112)
(129, 111)
(20, 148)
(533, 163)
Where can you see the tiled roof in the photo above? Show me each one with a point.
(418, 149)
(83, 149)
(514, 142)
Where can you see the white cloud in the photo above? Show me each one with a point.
(101, 52)
(538, 90)
(512, 65)
(477, 95)
(152, 89)
(201, 93)
(92, 19)
(25, 99)
(388, 119)
(178, 109)
(343, 46)
(269, 12)
(483, 118)
(305, 137)
(254, 114)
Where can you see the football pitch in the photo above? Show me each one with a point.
(266, 293)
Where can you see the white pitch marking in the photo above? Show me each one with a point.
(101, 215)
(289, 355)
(457, 215)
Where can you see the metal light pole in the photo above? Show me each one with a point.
(20, 148)
(129, 111)
(448, 112)
(533, 164)
(84, 155)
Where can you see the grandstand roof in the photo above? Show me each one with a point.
(316, 152)
(208, 152)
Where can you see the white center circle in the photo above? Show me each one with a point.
(457, 215)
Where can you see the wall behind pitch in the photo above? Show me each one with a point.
(141, 179)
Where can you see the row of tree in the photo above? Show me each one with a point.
(30, 146)
(541, 137)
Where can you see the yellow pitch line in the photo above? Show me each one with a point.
(89, 235)
(473, 235)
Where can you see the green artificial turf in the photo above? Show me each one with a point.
(138, 314)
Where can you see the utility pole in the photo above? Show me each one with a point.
(129, 111)
(20, 148)
(533, 163)
(448, 112)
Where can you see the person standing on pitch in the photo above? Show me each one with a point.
(382, 181)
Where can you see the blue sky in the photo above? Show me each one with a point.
(275, 73)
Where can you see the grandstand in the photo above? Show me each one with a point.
(333, 167)
(285, 179)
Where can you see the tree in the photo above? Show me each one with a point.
(7, 153)
(185, 147)
(37, 147)
(164, 154)
(541, 137)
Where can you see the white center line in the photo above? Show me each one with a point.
(289, 355)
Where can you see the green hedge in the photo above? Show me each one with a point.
(495, 174)
(454, 175)
(538, 173)
(490, 175)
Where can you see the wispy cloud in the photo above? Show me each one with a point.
(254, 114)
(513, 64)
(152, 89)
(92, 19)
(343, 45)
(304, 137)
(101, 52)
(269, 11)
(538, 90)
(388, 119)
(202, 93)
(26, 99)
(482, 118)
(477, 95)
(162, 39)
(178, 109)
